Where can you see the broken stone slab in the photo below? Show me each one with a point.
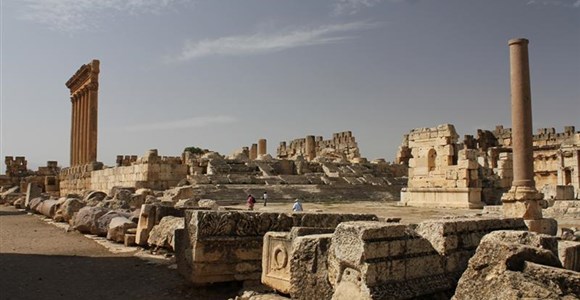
(32, 191)
(380, 260)
(569, 254)
(516, 266)
(85, 219)
(94, 196)
(118, 227)
(102, 225)
(178, 193)
(186, 203)
(67, 209)
(162, 234)
(145, 223)
(208, 203)
(294, 262)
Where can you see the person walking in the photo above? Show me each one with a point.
(265, 197)
(297, 205)
(250, 202)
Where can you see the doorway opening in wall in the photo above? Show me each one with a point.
(431, 159)
(567, 176)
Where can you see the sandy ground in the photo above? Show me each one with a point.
(42, 261)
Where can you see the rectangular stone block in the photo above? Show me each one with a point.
(569, 254)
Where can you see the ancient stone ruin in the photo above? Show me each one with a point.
(189, 205)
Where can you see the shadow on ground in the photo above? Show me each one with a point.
(28, 276)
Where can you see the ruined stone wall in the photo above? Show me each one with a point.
(77, 179)
(16, 166)
(152, 171)
(441, 172)
(342, 144)
(487, 164)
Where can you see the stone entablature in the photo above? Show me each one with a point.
(341, 146)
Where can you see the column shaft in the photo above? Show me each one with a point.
(523, 166)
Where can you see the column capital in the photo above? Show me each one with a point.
(518, 41)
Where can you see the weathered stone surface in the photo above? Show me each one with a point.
(295, 262)
(19, 203)
(379, 260)
(569, 254)
(94, 196)
(32, 191)
(35, 203)
(512, 266)
(186, 203)
(118, 227)
(221, 246)
(86, 218)
(67, 209)
(48, 207)
(162, 235)
(102, 224)
(145, 223)
(208, 203)
(178, 193)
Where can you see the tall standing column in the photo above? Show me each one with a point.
(262, 147)
(310, 147)
(72, 130)
(77, 128)
(254, 151)
(523, 200)
(85, 145)
(92, 122)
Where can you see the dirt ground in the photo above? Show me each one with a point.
(43, 261)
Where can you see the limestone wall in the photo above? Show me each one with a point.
(77, 179)
(156, 175)
(441, 173)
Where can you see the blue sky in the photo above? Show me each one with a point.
(221, 74)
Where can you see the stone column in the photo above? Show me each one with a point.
(86, 126)
(523, 200)
(72, 130)
(262, 148)
(92, 122)
(254, 151)
(77, 127)
(310, 147)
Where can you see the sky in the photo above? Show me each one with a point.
(221, 74)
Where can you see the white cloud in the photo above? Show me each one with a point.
(263, 43)
(77, 15)
(351, 7)
(196, 122)
(563, 3)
